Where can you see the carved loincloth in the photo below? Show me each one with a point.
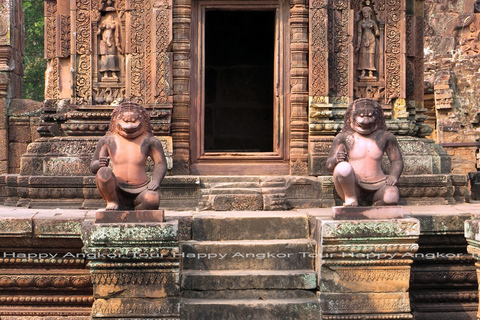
(134, 189)
(372, 186)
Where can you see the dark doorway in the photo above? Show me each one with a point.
(239, 81)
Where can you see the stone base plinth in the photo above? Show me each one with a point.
(358, 213)
(472, 234)
(134, 263)
(365, 267)
(125, 216)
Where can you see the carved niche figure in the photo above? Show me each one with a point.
(469, 44)
(108, 46)
(356, 157)
(128, 143)
(367, 32)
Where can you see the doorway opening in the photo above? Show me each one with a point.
(239, 81)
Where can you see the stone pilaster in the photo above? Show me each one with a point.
(364, 268)
(134, 267)
(472, 233)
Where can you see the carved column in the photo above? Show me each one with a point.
(134, 267)
(365, 268)
(299, 87)
(11, 69)
(182, 12)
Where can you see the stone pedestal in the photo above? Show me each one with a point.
(365, 268)
(472, 233)
(359, 213)
(134, 266)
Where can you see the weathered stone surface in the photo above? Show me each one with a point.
(370, 228)
(128, 283)
(375, 213)
(365, 303)
(134, 267)
(365, 278)
(249, 226)
(365, 267)
(248, 279)
(129, 216)
(132, 308)
(238, 202)
(248, 255)
(257, 307)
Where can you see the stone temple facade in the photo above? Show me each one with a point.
(246, 97)
(246, 120)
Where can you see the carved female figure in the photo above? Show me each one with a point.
(109, 44)
(470, 43)
(367, 32)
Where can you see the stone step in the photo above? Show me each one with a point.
(248, 279)
(256, 307)
(293, 254)
(250, 226)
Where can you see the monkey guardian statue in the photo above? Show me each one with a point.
(128, 144)
(356, 157)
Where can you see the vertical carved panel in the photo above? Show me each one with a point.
(51, 74)
(340, 47)
(138, 38)
(163, 83)
(51, 79)
(318, 53)
(298, 84)
(63, 36)
(182, 11)
(50, 28)
(392, 49)
(83, 80)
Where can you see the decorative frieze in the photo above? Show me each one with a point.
(364, 269)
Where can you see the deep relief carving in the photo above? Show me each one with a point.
(132, 308)
(64, 35)
(4, 22)
(45, 281)
(50, 37)
(163, 59)
(132, 278)
(367, 45)
(374, 274)
(318, 59)
(51, 79)
(470, 39)
(385, 228)
(395, 304)
(83, 48)
(109, 46)
(339, 71)
(392, 49)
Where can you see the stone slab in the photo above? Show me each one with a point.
(293, 254)
(370, 228)
(248, 279)
(128, 216)
(265, 309)
(358, 303)
(249, 226)
(369, 213)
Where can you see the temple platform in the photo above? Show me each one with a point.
(46, 274)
